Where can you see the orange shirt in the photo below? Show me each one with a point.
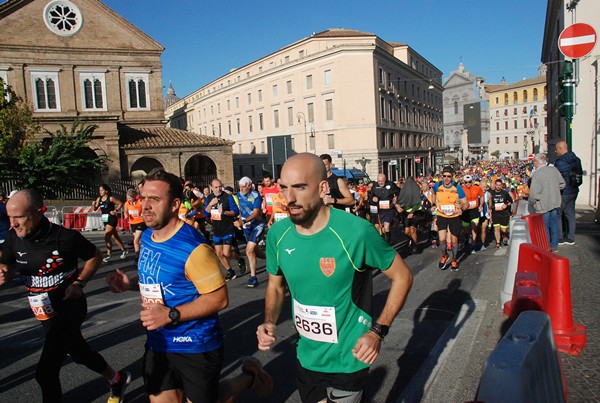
(474, 195)
(134, 212)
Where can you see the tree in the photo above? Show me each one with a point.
(496, 154)
(63, 160)
(16, 127)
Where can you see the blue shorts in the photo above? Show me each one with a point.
(223, 239)
(255, 234)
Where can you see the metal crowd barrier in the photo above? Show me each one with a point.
(53, 215)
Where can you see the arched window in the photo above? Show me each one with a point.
(524, 95)
(535, 94)
(515, 97)
(455, 108)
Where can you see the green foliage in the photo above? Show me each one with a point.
(496, 153)
(62, 160)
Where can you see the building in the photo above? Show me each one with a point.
(586, 70)
(371, 104)
(466, 116)
(80, 60)
(518, 122)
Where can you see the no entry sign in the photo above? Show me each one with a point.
(577, 40)
(417, 159)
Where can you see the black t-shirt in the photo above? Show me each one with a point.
(48, 258)
(334, 190)
(499, 197)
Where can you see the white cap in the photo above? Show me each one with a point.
(245, 181)
(12, 193)
(468, 178)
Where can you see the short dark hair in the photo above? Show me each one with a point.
(174, 182)
(268, 175)
(325, 157)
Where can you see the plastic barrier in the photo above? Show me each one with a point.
(75, 217)
(524, 367)
(537, 230)
(553, 274)
(527, 294)
(518, 235)
(93, 221)
(53, 215)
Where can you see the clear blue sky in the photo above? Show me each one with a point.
(203, 40)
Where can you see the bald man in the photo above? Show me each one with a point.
(323, 256)
(47, 255)
(569, 165)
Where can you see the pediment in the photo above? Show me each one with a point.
(456, 80)
(23, 26)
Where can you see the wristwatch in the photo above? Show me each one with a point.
(174, 315)
(380, 330)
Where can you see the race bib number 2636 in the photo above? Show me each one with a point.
(316, 322)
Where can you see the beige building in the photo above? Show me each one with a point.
(80, 60)
(518, 119)
(369, 103)
(586, 72)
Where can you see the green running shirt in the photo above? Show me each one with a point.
(330, 281)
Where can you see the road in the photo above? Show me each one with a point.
(435, 350)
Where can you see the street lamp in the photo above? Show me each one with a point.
(300, 115)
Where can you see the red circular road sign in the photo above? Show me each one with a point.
(417, 159)
(577, 40)
(530, 157)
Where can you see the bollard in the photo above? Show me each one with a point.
(524, 367)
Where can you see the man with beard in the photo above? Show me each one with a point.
(323, 255)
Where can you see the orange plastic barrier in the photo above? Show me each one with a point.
(554, 282)
(537, 230)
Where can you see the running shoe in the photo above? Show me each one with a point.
(434, 244)
(117, 391)
(262, 382)
(473, 250)
(107, 258)
(566, 242)
(242, 266)
(230, 275)
(482, 247)
(497, 245)
(124, 254)
(505, 241)
(252, 282)
(443, 265)
(454, 265)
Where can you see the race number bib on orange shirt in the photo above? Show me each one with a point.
(448, 209)
(316, 322)
(41, 306)
(151, 294)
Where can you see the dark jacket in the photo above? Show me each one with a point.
(564, 164)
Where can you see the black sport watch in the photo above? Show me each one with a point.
(380, 330)
(174, 315)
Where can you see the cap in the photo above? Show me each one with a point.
(245, 181)
(448, 168)
(468, 178)
(12, 193)
(228, 189)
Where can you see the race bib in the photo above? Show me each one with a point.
(347, 209)
(316, 322)
(384, 204)
(151, 294)
(215, 215)
(269, 199)
(280, 216)
(448, 209)
(373, 209)
(104, 217)
(498, 206)
(132, 213)
(41, 306)
(472, 203)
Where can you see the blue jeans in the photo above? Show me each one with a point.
(567, 212)
(552, 224)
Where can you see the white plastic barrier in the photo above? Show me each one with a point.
(519, 234)
(94, 222)
(53, 215)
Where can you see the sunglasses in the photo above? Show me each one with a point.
(468, 181)
(446, 176)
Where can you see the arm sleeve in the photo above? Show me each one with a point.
(202, 269)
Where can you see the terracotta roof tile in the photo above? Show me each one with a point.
(341, 32)
(151, 137)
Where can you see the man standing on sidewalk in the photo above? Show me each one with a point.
(569, 165)
(324, 256)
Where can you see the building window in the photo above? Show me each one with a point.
(47, 91)
(516, 139)
(382, 107)
(328, 77)
(138, 91)
(311, 112)
(261, 123)
(288, 85)
(262, 147)
(506, 125)
(238, 125)
(250, 128)
(383, 140)
(329, 109)
(525, 96)
(505, 99)
(309, 82)
(229, 127)
(515, 124)
(276, 118)
(381, 76)
(228, 104)
(290, 111)
(497, 140)
(505, 139)
(535, 94)
(259, 95)
(237, 102)
(63, 18)
(391, 111)
(249, 99)
(497, 114)
(455, 107)
(525, 123)
(94, 91)
(497, 100)
(300, 54)
(514, 111)
(275, 91)
(330, 141)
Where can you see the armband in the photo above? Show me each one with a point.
(380, 330)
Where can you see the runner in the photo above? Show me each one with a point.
(55, 284)
(109, 205)
(451, 200)
(133, 213)
(280, 209)
(222, 210)
(485, 213)
(384, 194)
(499, 204)
(323, 255)
(428, 200)
(338, 195)
(180, 304)
(268, 190)
(252, 224)
(409, 206)
(470, 217)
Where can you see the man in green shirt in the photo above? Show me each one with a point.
(324, 256)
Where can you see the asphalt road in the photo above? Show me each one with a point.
(435, 350)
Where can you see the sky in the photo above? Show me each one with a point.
(204, 40)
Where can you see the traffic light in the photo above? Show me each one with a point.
(565, 90)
